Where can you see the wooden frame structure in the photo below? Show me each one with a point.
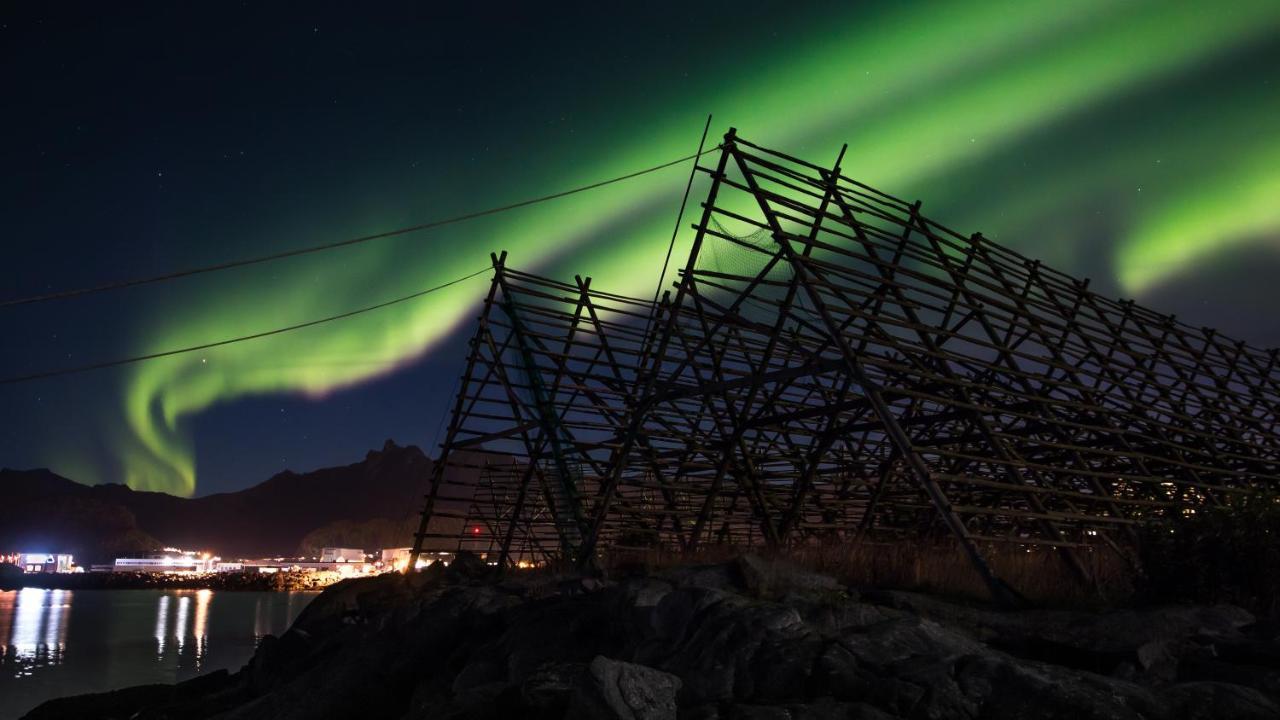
(833, 365)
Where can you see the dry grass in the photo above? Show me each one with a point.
(1041, 575)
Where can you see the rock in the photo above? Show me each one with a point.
(556, 629)
(893, 641)
(836, 673)
(615, 690)
(478, 672)
(467, 566)
(749, 639)
(354, 599)
(1145, 644)
(10, 576)
(710, 577)
(1214, 666)
(669, 622)
(278, 659)
(1001, 688)
(824, 708)
(549, 688)
(1159, 659)
(702, 712)
(645, 593)
(1214, 700)
(829, 709)
(581, 585)
(716, 653)
(775, 579)
(758, 712)
(832, 617)
(124, 703)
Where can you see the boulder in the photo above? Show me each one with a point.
(549, 688)
(1214, 700)
(615, 690)
(11, 576)
(751, 639)
(775, 579)
(1003, 688)
(720, 577)
(718, 644)
(467, 566)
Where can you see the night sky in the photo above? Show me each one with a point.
(1134, 143)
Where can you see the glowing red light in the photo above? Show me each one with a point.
(475, 531)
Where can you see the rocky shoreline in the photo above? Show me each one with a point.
(750, 639)
(278, 582)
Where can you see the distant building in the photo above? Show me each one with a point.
(335, 554)
(43, 562)
(395, 557)
(346, 568)
(431, 558)
(172, 560)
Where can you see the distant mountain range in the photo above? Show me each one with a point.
(370, 504)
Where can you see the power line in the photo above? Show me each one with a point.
(341, 243)
(676, 230)
(229, 341)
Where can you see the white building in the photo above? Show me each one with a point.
(172, 560)
(44, 562)
(335, 554)
(342, 567)
(396, 558)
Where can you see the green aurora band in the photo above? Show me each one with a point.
(924, 97)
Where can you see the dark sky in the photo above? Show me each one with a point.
(1134, 143)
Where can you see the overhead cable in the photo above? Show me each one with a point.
(229, 341)
(340, 243)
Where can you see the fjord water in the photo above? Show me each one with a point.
(59, 642)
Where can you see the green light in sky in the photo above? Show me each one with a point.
(1241, 203)
(919, 93)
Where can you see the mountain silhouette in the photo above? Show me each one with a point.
(43, 511)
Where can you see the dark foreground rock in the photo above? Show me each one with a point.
(749, 640)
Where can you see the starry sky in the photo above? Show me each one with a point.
(1134, 143)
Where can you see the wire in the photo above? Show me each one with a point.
(680, 215)
(229, 341)
(341, 243)
(676, 231)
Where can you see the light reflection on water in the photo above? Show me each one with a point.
(35, 621)
(162, 624)
(181, 634)
(56, 642)
(202, 621)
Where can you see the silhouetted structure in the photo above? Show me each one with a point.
(833, 365)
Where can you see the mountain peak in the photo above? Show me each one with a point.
(270, 518)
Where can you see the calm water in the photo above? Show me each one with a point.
(60, 642)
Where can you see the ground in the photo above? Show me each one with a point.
(746, 639)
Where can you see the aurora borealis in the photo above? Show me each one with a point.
(1135, 143)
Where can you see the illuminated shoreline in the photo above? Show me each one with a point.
(225, 581)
